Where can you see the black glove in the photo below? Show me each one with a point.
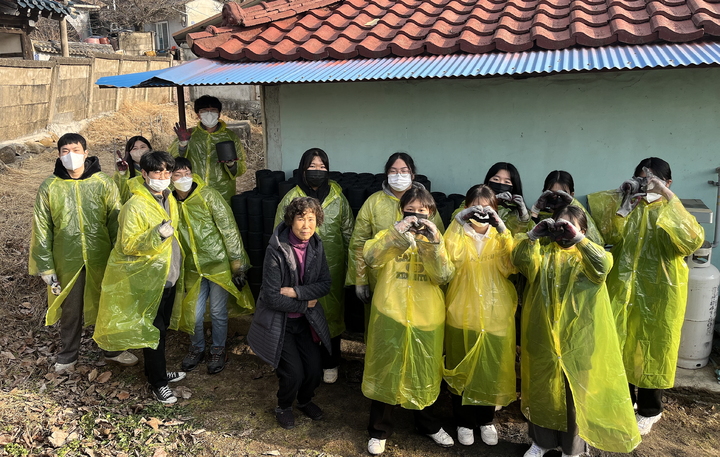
(239, 279)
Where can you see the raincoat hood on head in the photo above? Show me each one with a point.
(213, 248)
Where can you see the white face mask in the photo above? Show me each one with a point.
(651, 197)
(183, 184)
(137, 154)
(72, 161)
(400, 182)
(159, 185)
(209, 119)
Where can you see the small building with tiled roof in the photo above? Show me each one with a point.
(18, 19)
(587, 86)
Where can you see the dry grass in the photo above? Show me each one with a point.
(18, 187)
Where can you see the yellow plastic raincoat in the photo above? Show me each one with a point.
(380, 211)
(480, 322)
(125, 184)
(512, 221)
(592, 232)
(648, 284)
(135, 278)
(403, 358)
(211, 242)
(203, 157)
(335, 234)
(74, 226)
(568, 334)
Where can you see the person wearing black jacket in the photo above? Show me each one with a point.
(289, 321)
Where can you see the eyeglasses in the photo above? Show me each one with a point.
(395, 171)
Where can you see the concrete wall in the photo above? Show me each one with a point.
(34, 94)
(597, 126)
(245, 99)
(136, 43)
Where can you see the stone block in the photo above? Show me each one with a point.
(243, 129)
(7, 154)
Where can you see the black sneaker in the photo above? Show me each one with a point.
(193, 359)
(312, 411)
(217, 359)
(175, 376)
(285, 418)
(164, 395)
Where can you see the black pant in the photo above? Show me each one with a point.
(155, 364)
(300, 367)
(649, 401)
(569, 441)
(471, 416)
(71, 323)
(381, 421)
(331, 360)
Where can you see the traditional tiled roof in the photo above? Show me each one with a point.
(74, 48)
(45, 7)
(286, 30)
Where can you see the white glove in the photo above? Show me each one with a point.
(363, 293)
(406, 224)
(495, 220)
(166, 229)
(49, 278)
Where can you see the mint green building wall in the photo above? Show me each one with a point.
(597, 126)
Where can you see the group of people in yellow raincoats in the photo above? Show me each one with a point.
(591, 321)
(137, 271)
(438, 307)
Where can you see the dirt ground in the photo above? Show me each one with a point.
(103, 410)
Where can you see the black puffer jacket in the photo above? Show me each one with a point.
(267, 329)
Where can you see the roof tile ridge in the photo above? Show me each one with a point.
(548, 25)
(557, 4)
(703, 6)
(592, 9)
(555, 13)
(523, 5)
(389, 23)
(675, 13)
(266, 12)
(452, 5)
(669, 3)
(456, 27)
(629, 16)
(624, 4)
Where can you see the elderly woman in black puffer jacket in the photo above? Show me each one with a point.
(289, 323)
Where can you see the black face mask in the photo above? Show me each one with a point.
(499, 188)
(418, 215)
(316, 178)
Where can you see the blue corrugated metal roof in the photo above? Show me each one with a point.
(203, 72)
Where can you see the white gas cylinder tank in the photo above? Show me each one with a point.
(698, 327)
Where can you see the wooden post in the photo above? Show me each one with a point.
(63, 35)
(181, 106)
(90, 91)
(54, 87)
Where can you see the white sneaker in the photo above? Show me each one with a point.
(60, 367)
(488, 433)
(535, 451)
(646, 423)
(124, 359)
(330, 375)
(441, 438)
(466, 437)
(376, 446)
